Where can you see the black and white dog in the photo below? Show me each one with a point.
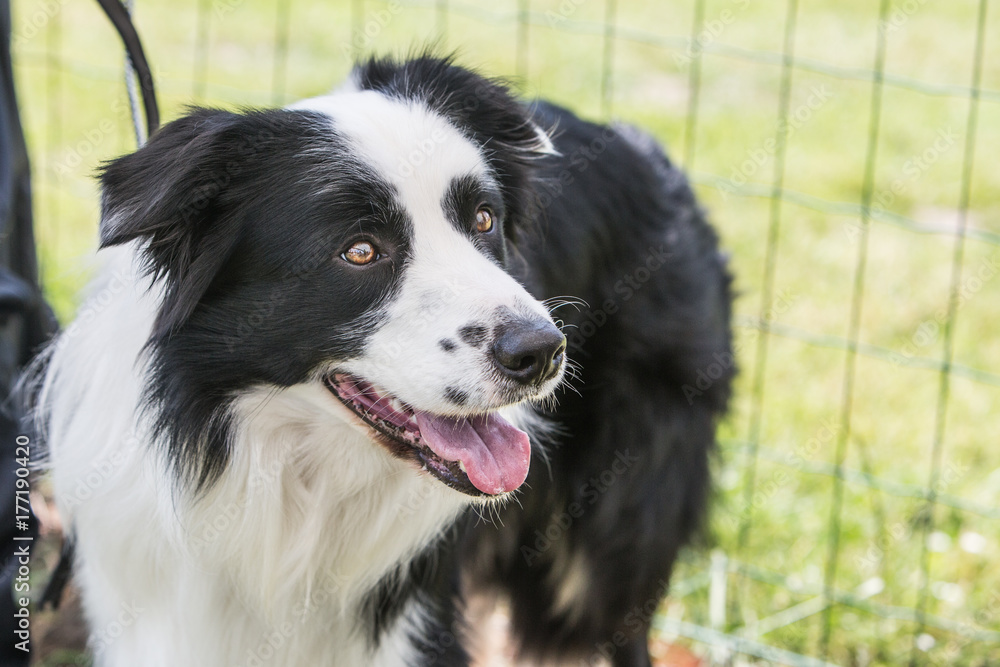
(294, 422)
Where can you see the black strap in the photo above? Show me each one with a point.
(25, 323)
(52, 595)
(133, 46)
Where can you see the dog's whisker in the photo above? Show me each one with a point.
(556, 302)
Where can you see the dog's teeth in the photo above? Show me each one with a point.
(461, 466)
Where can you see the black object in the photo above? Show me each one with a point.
(119, 16)
(25, 319)
(25, 323)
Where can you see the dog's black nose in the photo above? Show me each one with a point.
(529, 352)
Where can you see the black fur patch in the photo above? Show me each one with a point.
(456, 396)
(208, 195)
(474, 334)
(462, 201)
(431, 580)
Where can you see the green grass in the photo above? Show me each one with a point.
(70, 92)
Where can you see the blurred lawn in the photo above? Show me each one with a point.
(68, 67)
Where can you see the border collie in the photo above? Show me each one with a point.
(350, 363)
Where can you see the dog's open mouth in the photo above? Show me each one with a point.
(482, 454)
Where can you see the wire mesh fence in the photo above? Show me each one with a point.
(846, 152)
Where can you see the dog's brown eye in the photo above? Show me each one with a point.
(484, 220)
(361, 253)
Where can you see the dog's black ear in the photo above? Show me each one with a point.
(509, 122)
(171, 196)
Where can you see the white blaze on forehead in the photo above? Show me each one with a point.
(416, 150)
(421, 154)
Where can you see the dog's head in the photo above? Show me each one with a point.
(359, 241)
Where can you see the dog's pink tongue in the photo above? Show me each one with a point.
(495, 453)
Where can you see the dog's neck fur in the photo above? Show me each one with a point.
(329, 509)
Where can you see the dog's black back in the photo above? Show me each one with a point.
(587, 556)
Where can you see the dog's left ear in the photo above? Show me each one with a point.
(171, 196)
(500, 121)
(524, 137)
